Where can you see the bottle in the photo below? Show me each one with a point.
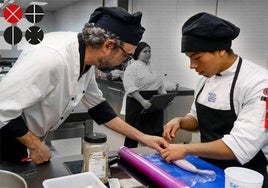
(95, 155)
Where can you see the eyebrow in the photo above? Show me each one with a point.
(195, 53)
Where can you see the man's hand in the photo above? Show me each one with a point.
(155, 142)
(39, 152)
(171, 128)
(173, 152)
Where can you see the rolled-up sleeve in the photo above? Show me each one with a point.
(102, 113)
(16, 127)
(249, 134)
(98, 108)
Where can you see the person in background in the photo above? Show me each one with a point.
(48, 80)
(230, 100)
(141, 83)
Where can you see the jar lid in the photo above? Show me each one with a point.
(96, 138)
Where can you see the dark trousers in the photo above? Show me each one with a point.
(150, 123)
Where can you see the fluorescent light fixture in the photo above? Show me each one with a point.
(38, 3)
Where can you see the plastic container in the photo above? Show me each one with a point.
(240, 177)
(10, 179)
(95, 155)
(82, 180)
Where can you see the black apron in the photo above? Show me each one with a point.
(214, 124)
(149, 123)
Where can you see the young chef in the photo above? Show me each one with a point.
(229, 106)
(48, 80)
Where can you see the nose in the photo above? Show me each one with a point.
(193, 65)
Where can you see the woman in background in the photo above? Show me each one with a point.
(140, 84)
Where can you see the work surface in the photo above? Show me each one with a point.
(35, 175)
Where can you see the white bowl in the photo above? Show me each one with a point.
(10, 179)
(81, 180)
(240, 177)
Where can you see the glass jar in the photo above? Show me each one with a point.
(95, 153)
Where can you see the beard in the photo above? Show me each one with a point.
(104, 65)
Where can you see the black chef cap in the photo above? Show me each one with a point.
(139, 48)
(205, 32)
(121, 23)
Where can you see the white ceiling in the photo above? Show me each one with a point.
(51, 5)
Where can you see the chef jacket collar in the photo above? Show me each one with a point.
(231, 69)
(82, 50)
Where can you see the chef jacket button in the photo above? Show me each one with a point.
(84, 91)
(61, 118)
(72, 98)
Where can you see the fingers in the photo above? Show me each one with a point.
(161, 144)
(40, 159)
(168, 133)
(40, 155)
(165, 155)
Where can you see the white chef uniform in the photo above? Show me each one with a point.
(46, 94)
(248, 134)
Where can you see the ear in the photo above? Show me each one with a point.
(108, 45)
(222, 52)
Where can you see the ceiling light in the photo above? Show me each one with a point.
(38, 3)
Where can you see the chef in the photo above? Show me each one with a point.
(229, 108)
(48, 80)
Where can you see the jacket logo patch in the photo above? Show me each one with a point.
(211, 97)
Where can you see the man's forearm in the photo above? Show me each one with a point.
(30, 140)
(215, 150)
(39, 152)
(122, 127)
(189, 123)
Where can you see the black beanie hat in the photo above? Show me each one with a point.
(139, 48)
(119, 22)
(205, 32)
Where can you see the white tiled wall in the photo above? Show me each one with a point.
(163, 21)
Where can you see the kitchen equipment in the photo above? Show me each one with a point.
(10, 179)
(81, 180)
(150, 170)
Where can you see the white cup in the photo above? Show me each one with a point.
(239, 177)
